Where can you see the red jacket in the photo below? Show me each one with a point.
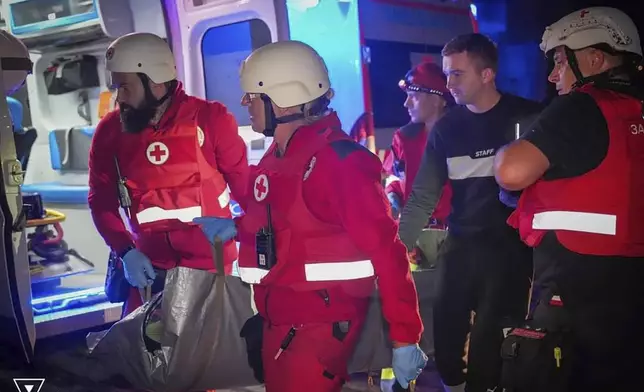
(169, 178)
(330, 245)
(600, 212)
(362, 128)
(402, 162)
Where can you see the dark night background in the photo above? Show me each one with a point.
(517, 26)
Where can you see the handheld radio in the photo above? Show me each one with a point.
(265, 244)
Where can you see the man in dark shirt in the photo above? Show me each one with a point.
(582, 208)
(483, 266)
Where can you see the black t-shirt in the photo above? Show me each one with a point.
(572, 133)
(461, 148)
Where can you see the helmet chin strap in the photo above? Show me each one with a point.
(148, 92)
(574, 67)
(271, 121)
(608, 79)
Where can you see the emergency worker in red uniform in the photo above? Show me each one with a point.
(427, 99)
(312, 251)
(176, 155)
(582, 207)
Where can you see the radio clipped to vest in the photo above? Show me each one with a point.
(265, 244)
(124, 194)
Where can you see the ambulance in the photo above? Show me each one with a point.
(53, 264)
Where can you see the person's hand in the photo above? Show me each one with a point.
(222, 228)
(395, 203)
(408, 362)
(138, 269)
(413, 261)
(509, 198)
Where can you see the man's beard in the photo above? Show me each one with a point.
(135, 120)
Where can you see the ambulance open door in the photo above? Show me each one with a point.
(16, 316)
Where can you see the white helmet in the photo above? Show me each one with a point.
(592, 26)
(142, 53)
(290, 73)
(15, 62)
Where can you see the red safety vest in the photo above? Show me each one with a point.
(311, 254)
(600, 212)
(169, 179)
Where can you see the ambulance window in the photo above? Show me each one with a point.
(223, 49)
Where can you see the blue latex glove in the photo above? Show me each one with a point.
(395, 203)
(224, 228)
(509, 198)
(408, 362)
(138, 269)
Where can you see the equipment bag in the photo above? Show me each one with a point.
(536, 360)
(374, 349)
(67, 75)
(538, 356)
(117, 287)
(186, 338)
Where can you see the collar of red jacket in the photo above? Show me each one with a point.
(412, 130)
(301, 135)
(176, 100)
(331, 120)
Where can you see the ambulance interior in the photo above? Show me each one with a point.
(66, 95)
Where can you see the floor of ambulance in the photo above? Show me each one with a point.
(59, 361)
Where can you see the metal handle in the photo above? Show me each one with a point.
(146, 293)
